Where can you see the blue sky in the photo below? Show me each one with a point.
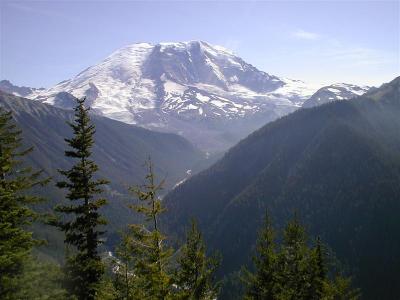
(44, 42)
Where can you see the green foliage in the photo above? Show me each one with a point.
(293, 270)
(294, 264)
(126, 283)
(106, 290)
(144, 266)
(16, 180)
(41, 281)
(195, 274)
(232, 285)
(84, 269)
(318, 270)
(144, 256)
(261, 285)
(119, 148)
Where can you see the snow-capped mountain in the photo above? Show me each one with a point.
(191, 79)
(181, 88)
(334, 92)
(203, 92)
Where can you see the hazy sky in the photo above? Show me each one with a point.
(44, 42)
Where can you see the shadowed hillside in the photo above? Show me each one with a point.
(120, 151)
(337, 165)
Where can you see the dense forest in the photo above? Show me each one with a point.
(337, 166)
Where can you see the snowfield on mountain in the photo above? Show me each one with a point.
(205, 93)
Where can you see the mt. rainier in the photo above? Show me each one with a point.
(203, 92)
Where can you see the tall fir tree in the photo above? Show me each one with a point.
(82, 220)
(317, 271)
(262, 284)
(195, 273)
(294, 267)
(144, 245)
(16, 214)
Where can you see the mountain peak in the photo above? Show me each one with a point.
(23, 91)
(334, 92)
(192, 88)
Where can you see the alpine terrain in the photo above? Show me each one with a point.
(338, 91)
(203, 92)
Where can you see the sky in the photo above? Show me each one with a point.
(320, 42)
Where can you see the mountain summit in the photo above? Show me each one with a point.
(203, 92)
(188, 78)
(182, 87)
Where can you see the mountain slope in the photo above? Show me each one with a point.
(120, 151)
(337, 165)
(22, 91)
(334, 92)
(201, 91)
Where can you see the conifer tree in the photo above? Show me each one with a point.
(81, 221)
(150, 277)
(195, 274)
(16, 180)
(41, 280)
(317, 271)
(293, 270)
(261, 285)
(126, 283)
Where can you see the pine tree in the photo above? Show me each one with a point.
(293, 270)
(41, 280)
(16, 240)
(194, 276)
(149, 255)
(339, 289)
(261, 285)
(317, 271)
(127, 253)
(294, 262)
(84, 269)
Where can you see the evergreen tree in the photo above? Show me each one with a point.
(318, 271)
(339, 289)
(16, 240)
(84, 268)
(293, 270)
(293, 260)
(144, 246)
(41, 280)
(194, 277)
(125, 282)
(106, 289)
(262, 284)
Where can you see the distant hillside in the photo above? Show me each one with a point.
(335, 92)
(120, 150)
(23, 91)
(337, 165)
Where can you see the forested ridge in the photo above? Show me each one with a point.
(337, 166)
